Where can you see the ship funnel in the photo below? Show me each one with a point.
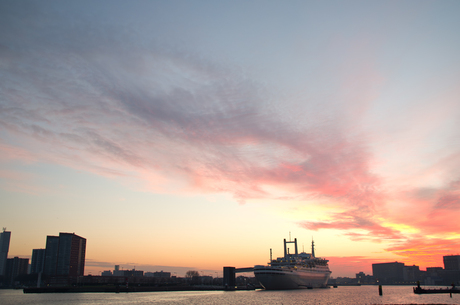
(290, 242)
(285, 249)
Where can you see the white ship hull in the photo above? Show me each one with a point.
(294, 271)
(280, 278)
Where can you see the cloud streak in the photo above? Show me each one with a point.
(94, 96)
(210, 122)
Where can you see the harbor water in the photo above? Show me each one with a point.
(340, 295)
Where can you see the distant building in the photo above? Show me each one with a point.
(343, 281)
(411, 273)
(117, 271)
(14, 267)
(5, 237)
(65, 255)
(133, 272)
(433, 276)
(434, 270)
(451, 262)
(157, 274)
(38, 261)
(51, 254)
(207, 279)
(124, 273)
(388, 273)
(362, 278)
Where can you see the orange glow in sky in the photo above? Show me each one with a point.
(179, 135)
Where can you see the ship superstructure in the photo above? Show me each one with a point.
(294, 271)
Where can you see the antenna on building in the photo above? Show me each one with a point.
(289, 235)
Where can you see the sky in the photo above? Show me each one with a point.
(192, 135)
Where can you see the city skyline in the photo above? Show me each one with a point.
(449, 262)
(196, 135)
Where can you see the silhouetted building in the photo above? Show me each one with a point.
(451, 262)
(133, 272)
(51, 255)
(162, 274)
(38, 261)
(157, 274)
(65, 255)
(71, 256)
(433, 276)
(5, 237)
(14, 267)
(450, 277)
(388, 273)
(362, 278)
(124, 273)
(411, 273)
(436, 271)
(343, 281)
(117, 271)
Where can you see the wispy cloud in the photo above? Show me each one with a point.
(97, 97)
(211, 125)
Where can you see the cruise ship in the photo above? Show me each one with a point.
(294, 271)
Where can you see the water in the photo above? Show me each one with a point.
(340, 295)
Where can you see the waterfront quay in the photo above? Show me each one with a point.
(124, 289)
(135, 281)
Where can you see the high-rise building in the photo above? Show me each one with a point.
(451, 262)
(14, 267)
(71, 256)
(38, 261)
(5, 237)
(65, 255)
(51, 254)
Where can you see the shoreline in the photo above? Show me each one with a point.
(124, 289)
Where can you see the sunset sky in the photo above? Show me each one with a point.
(178, 135)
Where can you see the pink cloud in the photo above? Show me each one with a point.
(353, 220)
(10, 153)
(177, 122)
(425, 252)
(449, 198)
(17, 181)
